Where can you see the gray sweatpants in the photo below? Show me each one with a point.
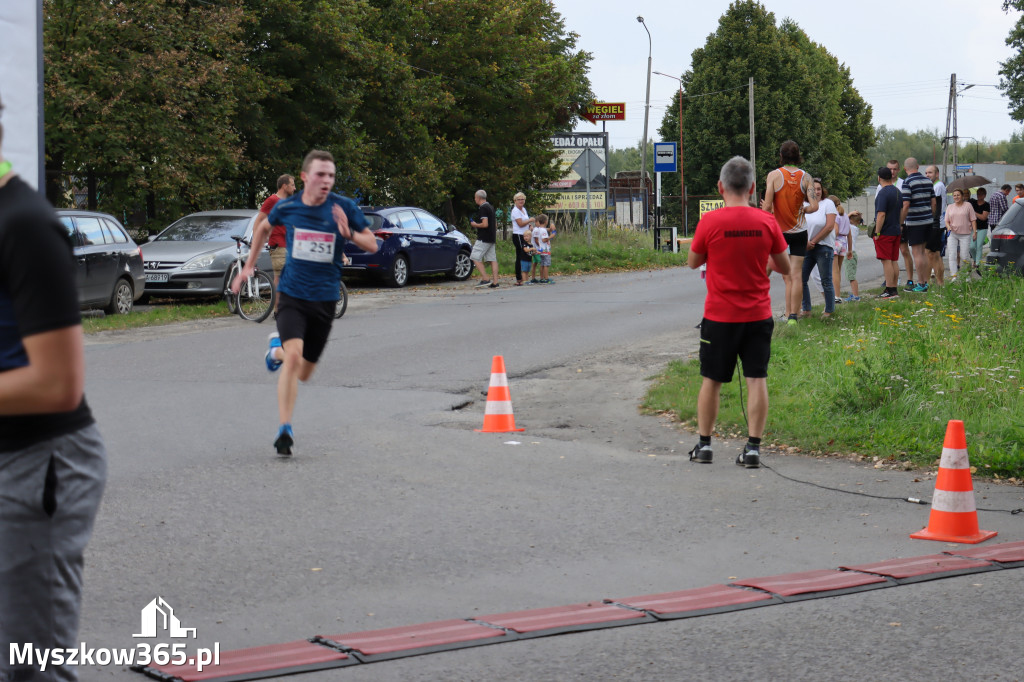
(49, 494)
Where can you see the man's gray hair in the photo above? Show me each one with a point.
(737, 175)
(481, 193)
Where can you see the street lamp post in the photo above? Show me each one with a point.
(682, 180)
(647, 109)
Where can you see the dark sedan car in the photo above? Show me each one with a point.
(411, 241)
(1006, 241)
(109, 262)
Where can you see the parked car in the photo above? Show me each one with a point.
(1006, 241)
(191, 257)
(109, 262)
(411, 241)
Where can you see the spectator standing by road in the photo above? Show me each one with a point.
(982, 209)
(484, 250)
(936, 236)
(1019, 187)
(998, 206)
(821, 228)
(886, 232)
(916, 201)
(786, 190)
(521, 221)
(842, 247)
(542, 246)
(851, 257)
(278, 248)
(52, 459)
(961, 223)
(905, 249)
(317, 223)
(736, 242)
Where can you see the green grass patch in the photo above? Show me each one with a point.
(164, 313)
(611, 249)
(882, 378)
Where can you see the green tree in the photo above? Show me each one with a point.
(495, 81)
(141, 97)
(1012, 70)
(801, 92)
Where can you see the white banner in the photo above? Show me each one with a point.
(21, 87)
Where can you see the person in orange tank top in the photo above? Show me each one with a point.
(786, 190)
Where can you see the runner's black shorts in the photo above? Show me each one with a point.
(797, 242)
(721, 343)
(916, 234)
(307, 320)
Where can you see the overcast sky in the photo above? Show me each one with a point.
(969, 41)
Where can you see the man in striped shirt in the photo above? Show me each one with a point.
(916, 216)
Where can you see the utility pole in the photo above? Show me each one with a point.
(753, 161)
(950, 119)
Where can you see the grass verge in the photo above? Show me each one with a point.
(882, 378)
(163, 313)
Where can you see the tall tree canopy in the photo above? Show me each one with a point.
(1012, 70)
(801, 92)
(202, 104)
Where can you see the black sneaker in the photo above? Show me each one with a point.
(701, 454)
(749, 458)
(492, 286)
(910, 285)
(284, 441)
(889, 294)
(483, 283)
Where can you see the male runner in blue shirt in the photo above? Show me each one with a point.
(317, 224)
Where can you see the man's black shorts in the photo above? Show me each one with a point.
(797, 242)
(916, 234)
(307, 320)
(722, 342)
(934, 241)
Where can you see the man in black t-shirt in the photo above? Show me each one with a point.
(486, 234)
(52, 460)
(981, 209)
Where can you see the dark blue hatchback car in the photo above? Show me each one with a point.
(411, 241)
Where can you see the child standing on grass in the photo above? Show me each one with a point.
(542, 244)
(851, 255)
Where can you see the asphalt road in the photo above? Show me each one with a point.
(394, 511)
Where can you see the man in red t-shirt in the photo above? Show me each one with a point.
(737, 242)
(278, 248)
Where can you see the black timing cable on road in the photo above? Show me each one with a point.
(912, 500)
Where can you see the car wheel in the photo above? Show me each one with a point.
(121, 300)
(463, 267)
(398, 275)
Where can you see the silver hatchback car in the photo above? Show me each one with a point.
(191, 257)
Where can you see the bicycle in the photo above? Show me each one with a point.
(255, 298)
(342, 305)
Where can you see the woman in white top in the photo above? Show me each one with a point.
(821, 228)
(520, 220)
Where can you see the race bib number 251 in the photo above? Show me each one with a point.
(313, 246)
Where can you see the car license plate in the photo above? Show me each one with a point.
(156, 276)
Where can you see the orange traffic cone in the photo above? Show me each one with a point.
(498, 414)
(954, 517)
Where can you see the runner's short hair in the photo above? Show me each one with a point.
(789, 153)
(284, 180)
(737, 175)
(316, 155)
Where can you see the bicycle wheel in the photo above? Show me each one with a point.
(342, 304)
(232, 299)
(256, 297)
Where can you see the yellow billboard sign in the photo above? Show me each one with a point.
(576, 201)
(710, 205)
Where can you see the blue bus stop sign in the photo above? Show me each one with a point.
(666, 158)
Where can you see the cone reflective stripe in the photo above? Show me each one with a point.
(498, 416)
(954, 516)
